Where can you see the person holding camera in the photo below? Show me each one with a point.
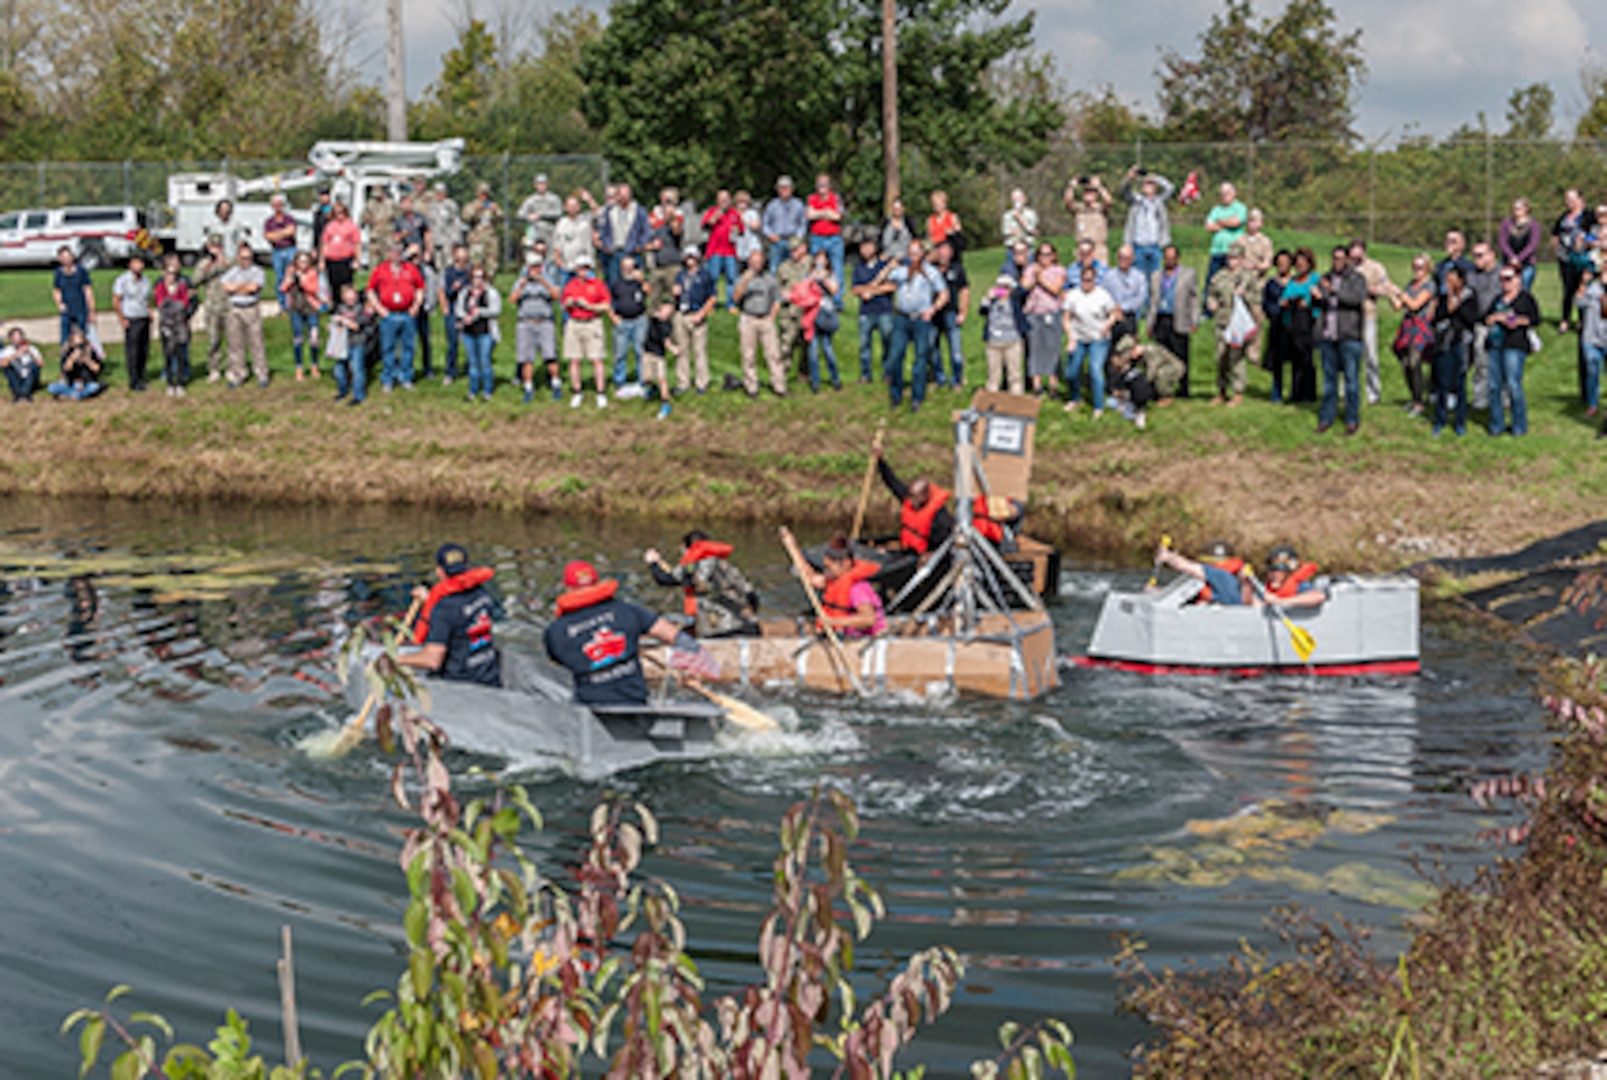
(1149, 227)
(1088, 202)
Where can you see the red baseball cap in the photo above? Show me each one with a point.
(579, 574)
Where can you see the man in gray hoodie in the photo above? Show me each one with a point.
(1149, 229)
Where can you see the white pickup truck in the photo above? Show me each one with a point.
(98, 235)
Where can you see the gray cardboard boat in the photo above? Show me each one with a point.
(1368, 626)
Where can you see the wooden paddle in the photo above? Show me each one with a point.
(352, 734)
(1155, 568)
(739, 713)
(1299, 637)
(870, 477)
(833, 645)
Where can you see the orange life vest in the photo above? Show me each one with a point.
(457, 583)
(1231, 564)
(702, 549)
(915, 526)
(584, 597)
(1291, 584)
(985, 525)
(834, 599)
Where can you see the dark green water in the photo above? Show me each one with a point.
(157, 826)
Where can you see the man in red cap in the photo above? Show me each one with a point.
(454, 629)
(596, 636)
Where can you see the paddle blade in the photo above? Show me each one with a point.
(739, 713)
(1304, 644)
(327, 745)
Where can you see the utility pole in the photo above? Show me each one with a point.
(890, 101)
(395, 78)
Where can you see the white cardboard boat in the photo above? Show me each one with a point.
(1368, 626)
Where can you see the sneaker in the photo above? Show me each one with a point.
(179, 391)
(407, 386)
(1098, 413)
(300, 375)
(446, 380)
(486, 397)
(1139, 422)
(557, 390)
(340, 396)
(1071, 406)
(529, 393)
(664, 410)
(355, 401)
(602, 401)
(215, 377)
(263, 382)
(1439, 429)
(575, 402)
(386, 387)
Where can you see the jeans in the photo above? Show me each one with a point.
(282, 258)
(1506, 372)
(1528, 278)
(176, 364)
(421, 323)
(303, 328)
(351, 375)
(870, 326)
(22, 385)
(477, 354)
(396, 357)
(70, 319)
(1147, 259)
(1094, 354)
(1337, 357)
(1218, 262)
(833, 247)
(74, 391)
(452, 337)
(779, 251)
(723, 266)
(908, 329)
(608, 266)
(1450, 387)
(822, 343)
(628, 334)
(949, 330)
(1595, 356)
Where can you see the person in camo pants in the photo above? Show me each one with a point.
(214, 305)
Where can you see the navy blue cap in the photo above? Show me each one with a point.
(452, 559)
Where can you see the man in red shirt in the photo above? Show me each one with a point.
(398, 288)
(825, 211)
(720, 254)
(586, 301)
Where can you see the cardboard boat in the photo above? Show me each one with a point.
(1368, 626)
(1006, 656)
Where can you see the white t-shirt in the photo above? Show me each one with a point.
(135, 292)
(1089, 311)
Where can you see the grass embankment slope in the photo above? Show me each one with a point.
(1257, 474)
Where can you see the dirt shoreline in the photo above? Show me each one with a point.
(767, 463)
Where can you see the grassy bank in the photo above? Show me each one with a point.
(1258, 474)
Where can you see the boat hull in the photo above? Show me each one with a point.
(1368, 626)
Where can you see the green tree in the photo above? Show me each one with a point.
(1290, 76)
(1593, 123)
(1530, 111)
(1102, 118)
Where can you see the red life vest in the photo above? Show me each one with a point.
(984, 524)
(457, 583)
(1231, 565)
(915, 526)
(1291, 584)
(834, 600)
(702, 549)
(585, 596)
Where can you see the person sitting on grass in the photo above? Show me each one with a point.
(1129, 385)
(80, 369)
(21, 363)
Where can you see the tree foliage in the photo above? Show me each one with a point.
(1593, 122)
(1293, 75)
(1531, 111)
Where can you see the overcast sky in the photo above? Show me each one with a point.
(1432, 64)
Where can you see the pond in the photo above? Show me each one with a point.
(158, 825)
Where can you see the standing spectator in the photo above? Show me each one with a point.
(454, 279)
(789, 325)
(1455, 315)
(750, 239)
(352, 327)
(758, 297)
(1019, 225)
(1339, 297)
(1129, 287)
(875, 307)
(478, 308)
(279, 229)
(227, 226)
(21, 362)
(244, 284)
(825, 213)
(1591, 303)
(918, 293)
(1258, 261)
(815, 299)
(397, 289)
(1571, 237)
(1455, 255)
(1087, 257)
(1002, 342)
(131, 300)
(484, 219)
(1226, 223)
(1519, 241)
(322, 210)
(174, 301)
(951, 316)
(421, 321)
(1175, 289)
(1414, 342)
(1378, 287)
(664, 227)
(1149, 227)
(338, 248)
(446, 228)
(628, 300)
(535, 297)
(1236, 283)
(1485, 281)
(573, 239)
(1277, 344)
(412, 231)
(540, 212)
(214, 303)
(379, 224)
(943, 225)
(304, 292)
(1511, 319)
(621, 231)
(80, 369)
(1018, 262)
(1088, 202)
(1090, 313)
(1300, 326)
(585, 301)
(1045, 283)
(723, 225)
(694, 302)
(73, 293)
(896, 233)
(785, 221)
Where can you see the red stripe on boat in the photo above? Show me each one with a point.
(1373, 667)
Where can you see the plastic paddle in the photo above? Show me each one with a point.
(349, 736)
(739, 713)
(834, 645)
(870, 476)
(1299, 637)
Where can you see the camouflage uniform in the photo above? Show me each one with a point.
(485, 233)
(214, 313)
(1230, 359)
(379, 226)
(789, 322)
(446, 226)
(1163, 369)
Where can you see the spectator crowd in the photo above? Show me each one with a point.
(618, 295)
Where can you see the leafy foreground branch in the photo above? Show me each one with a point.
(513, 974)
(1500, 975)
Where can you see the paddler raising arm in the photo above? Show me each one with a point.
(1289, 581)
(719, 599)
(924, 522)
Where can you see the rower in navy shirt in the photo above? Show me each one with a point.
(454, 630)
(597, 637)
